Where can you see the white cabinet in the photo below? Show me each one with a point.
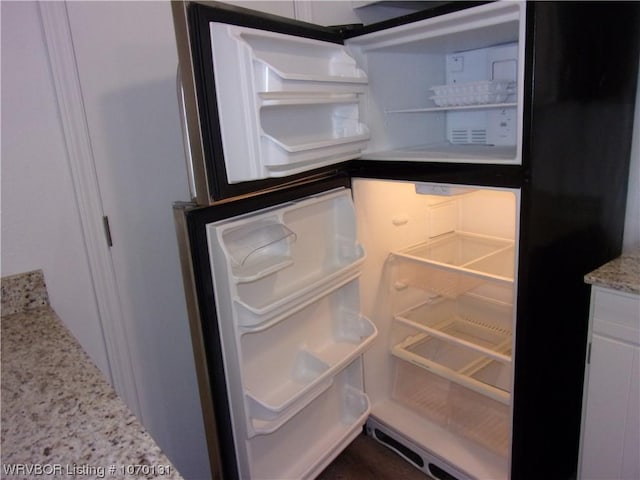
(284, 8)
(611, 406)
(332, 12)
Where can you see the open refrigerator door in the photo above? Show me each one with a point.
(286, 281)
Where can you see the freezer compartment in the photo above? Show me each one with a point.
(276, 260)
(460, 410)
(461, 78)
(288, 362)
(289, 104)
(312, 438)
(481, 255)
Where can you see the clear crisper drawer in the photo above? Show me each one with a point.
(487, 256)
(289, 362)
(452, 406)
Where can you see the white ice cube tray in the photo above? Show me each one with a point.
(472, 93)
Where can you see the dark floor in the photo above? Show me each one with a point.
(367, 459)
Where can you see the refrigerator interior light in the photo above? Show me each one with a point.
(442, 190)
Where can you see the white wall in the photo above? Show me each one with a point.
(40, 222)
(330, 12)
(127, 63)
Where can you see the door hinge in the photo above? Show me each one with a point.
(589, 353)
(107, 231)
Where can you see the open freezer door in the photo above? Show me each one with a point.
(286, 308)
(287, 104)
(265, 97)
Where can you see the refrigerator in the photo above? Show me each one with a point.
(389, 227)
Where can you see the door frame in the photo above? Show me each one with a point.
(86, 187)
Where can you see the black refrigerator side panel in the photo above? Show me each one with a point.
(583, 64)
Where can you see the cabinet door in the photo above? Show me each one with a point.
(284, 8)
(630, 457)
(607, 421)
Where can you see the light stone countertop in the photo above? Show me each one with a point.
(621, 274)
(60, 417)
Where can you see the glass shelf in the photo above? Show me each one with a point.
(480, 255)
(472, 323)
(482, 106)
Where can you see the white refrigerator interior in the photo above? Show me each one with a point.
(439, 285)
(444, 89)
(415, 335)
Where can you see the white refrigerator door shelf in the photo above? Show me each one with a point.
(286, 283)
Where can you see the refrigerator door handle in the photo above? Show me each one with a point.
(185, 134)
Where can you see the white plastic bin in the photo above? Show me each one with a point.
(286, 364)
(313, 437)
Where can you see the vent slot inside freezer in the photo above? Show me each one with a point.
(463, 136)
